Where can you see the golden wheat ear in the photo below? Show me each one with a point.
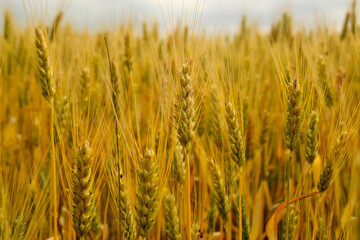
(287, 227)
(214, 118)
(148, 193)
(45, 74)
(172, 221)
(178, 164)
(186, 112)
(293, 115)
(83, 210)
(126, 218)
(236, 144)
(222, 202)
(244, 216)
(85, 89)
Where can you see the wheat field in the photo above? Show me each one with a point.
(135, 134)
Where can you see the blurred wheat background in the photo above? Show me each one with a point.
(163, 130)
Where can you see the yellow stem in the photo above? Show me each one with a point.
(53, 167)
(240, 212)
(187, 196)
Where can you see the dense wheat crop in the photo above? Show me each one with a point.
(130, 134)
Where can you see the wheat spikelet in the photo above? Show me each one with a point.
(171, 217)
(353, 17)
(212, 212)
(85, 88)
(325, 176)
(244, 217)
(195, 232)
(186, 112)
(219, 191)
(55, 25)
(293, 115)
(95, 226)
(36, 133)
(311, 138)
(128, 53)
(338, 148)
(235, 138)
(115, 89)
(178, 163)
(121, 201)
(45, 74)
(287, 227)
(345, 26)
(214, 118)
(83, 210)
(148, 194)
(18, 228)
(325, 82)
(7, 26)
(63, 118)
(322, 232)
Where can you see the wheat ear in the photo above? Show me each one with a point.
(148, 194)
(83, 210)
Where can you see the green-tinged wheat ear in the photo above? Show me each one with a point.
(214, 118)
(338, 148)
(244, 216)
(340, 77)
(115, 84)
(236, 144)
(85, 88)
(126, 218)
(55, 25)
(287, 26)
(311, 138)
(222, 202)
(7, 25)
(250, 145)
(148, 193)
(128, 53)
(322, 232)
(95, 226)
(325, 176)
(282, 227)
(83, 209)
(36, 133)
(62, 110)
(212, 212)
(195, 232)
(186, 112)
(45, 74)
(325, 81)
(178, 164)
(172, 222)
(18, 228)
(293, 115)
(353, 17)
(345, 26)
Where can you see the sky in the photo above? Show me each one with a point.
(209, 15)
